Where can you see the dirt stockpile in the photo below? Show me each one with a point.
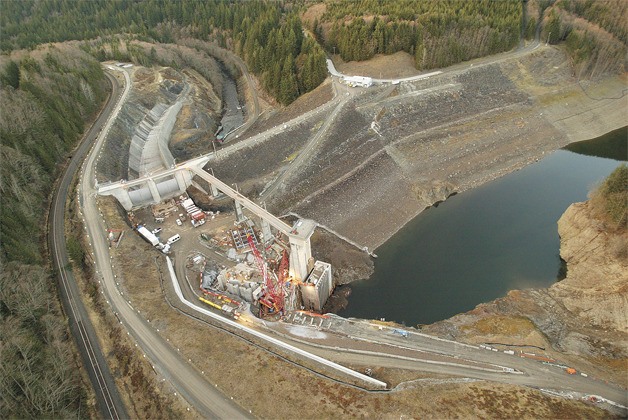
(584, 316)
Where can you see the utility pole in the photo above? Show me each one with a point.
(548, 37)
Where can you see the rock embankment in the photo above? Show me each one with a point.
(581, 320)
(596, 287)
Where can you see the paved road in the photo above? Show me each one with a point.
(109, 402)
(189, 382)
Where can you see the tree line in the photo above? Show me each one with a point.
(268, 35)
(594, 34)
(436, 33)
(45, 97)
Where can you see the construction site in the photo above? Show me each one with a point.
(242, 257)
(211, 252)
(239, 265)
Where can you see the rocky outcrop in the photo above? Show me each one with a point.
(596, 288)
(582, 319)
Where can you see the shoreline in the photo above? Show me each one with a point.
(497, 175)
(557, 125)
(579, 319)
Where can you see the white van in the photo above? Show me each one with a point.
(173, 239)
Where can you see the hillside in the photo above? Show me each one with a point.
(437, 34)
(594, 34)
(50, 92)
(46, 98)
(277, 40)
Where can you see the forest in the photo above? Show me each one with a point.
(594, 33)
(46, 96)
(267, 35)
(48, 93)
(436, 33)
(270, 37)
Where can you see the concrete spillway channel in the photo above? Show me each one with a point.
(149, 150)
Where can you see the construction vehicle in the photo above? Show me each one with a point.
(571, 371)
(284, 265)
(221, 297)
(226, 309)
(148, 235)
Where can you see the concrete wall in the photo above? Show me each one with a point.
(318, 287)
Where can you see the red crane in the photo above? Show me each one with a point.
(283, 268)
(273, 292)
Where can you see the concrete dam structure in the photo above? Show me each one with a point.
(171, 182)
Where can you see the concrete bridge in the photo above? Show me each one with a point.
(168, 183)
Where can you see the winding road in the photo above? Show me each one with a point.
(210, 402)
(109, 402)
(422, 352)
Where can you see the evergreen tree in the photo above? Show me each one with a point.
(553, 28)
(288, 89)
(11, 75)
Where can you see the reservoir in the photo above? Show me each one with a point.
(478, 245)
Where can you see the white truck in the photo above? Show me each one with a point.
(148, 235)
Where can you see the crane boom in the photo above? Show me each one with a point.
(273, 298)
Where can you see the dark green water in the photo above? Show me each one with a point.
(478, 245)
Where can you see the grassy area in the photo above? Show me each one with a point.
(502, 325)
